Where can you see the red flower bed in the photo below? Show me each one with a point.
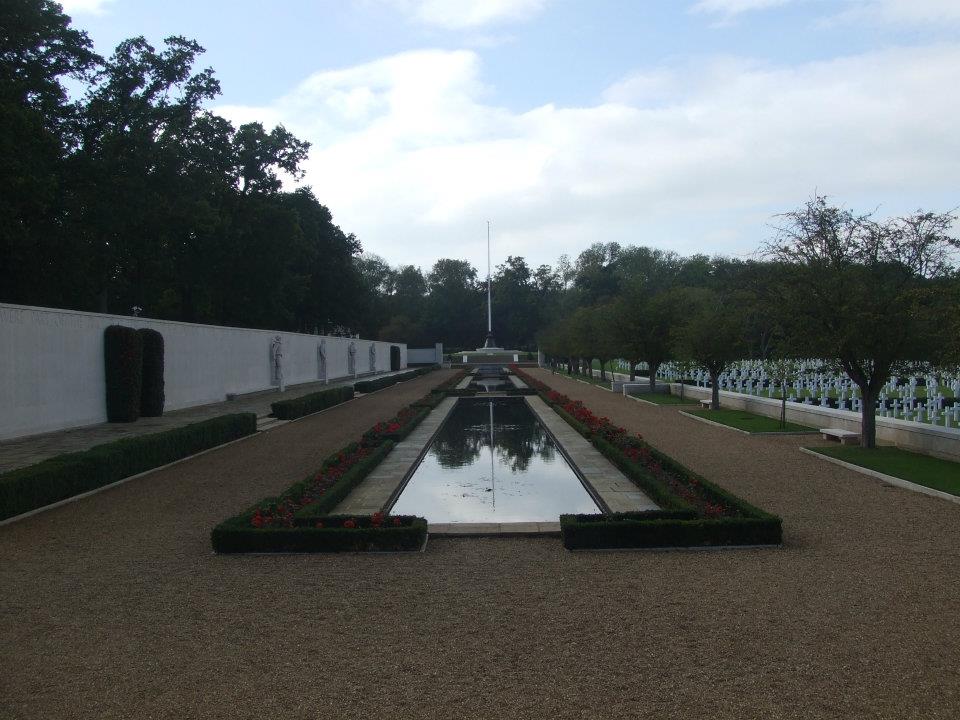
(633, 448)
(281, 513)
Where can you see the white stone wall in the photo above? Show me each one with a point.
(52, 374)
(422, 356)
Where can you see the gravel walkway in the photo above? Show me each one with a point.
(114, 607)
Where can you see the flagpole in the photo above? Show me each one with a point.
(489, 305)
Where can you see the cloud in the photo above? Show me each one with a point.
(93, 7)
(467, 14)
(914, 12)
(735, 7)
(410, 155)
(911, 12)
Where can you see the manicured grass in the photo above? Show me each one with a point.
(748, 421)
(664, 399)
(921, 469)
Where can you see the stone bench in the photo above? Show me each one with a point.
(846, 437)
(705, 404)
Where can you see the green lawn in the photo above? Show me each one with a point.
(921, 469)
(748, 421)
(664, 399)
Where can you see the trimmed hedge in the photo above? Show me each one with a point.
(369, 386)
(151, 387)
(638, 530)
(233, 537)
(314, 402)
(123, 371)
(64, 476)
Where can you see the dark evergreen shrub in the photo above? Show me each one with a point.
(314, 402)
(151, 388)
(123, 356)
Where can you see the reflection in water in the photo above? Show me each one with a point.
(492, 461)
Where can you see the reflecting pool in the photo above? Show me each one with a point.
(493, 462)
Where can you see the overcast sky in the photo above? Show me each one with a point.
(681, 124)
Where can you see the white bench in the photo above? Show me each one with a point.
(705, 404)
(846, 437)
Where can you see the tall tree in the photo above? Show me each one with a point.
(863, 291)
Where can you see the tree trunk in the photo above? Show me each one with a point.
(653, 367)
(783, 410)
(569, 366)
(714, 390)
(603, 372)
(868, 419)
(633, 369)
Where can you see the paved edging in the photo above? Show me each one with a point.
(376, 490)
(889, 479)
(517, 529)
(617, 491)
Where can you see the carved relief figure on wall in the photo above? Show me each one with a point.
(276, 362)
(373, 357)
(322, 361)
(352, 358)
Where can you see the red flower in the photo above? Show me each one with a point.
(349, 523)
(319, 524)
(397, 522)
(376, 519)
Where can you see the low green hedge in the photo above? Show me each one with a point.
(314, 402)
(64, 476)
(369, 386)
(638, 530)
(233, 536)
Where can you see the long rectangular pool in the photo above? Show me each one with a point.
(493, 462)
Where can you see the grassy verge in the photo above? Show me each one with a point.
(924, 470)
(664, 399)
(748, 422)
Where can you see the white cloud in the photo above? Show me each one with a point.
(914, 12)
(408, 153)
(94, 7)
(467, 14)
(735, 7)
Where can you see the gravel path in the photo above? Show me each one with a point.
(114, 607)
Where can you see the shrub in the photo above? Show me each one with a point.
(64, 476)
(599, 531)
(151, 387)
(314, 402)
(123, 366)
(334, 535)
(369, 386)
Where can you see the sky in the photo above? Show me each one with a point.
(685, 125)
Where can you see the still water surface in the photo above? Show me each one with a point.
(493, 462)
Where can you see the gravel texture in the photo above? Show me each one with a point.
(115, 607)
